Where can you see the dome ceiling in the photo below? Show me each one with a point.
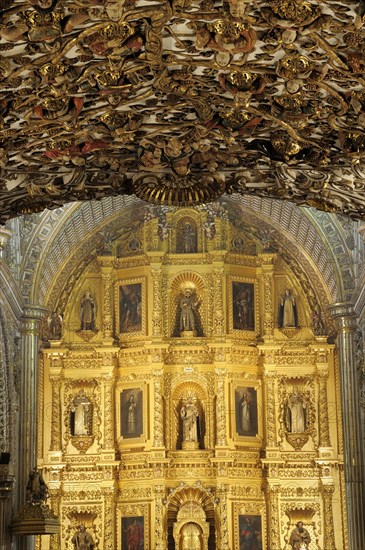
(179, 102)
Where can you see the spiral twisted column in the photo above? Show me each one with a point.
(344, 315)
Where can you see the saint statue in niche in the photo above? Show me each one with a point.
(300, 537)
(190, 416)
(82, 540)
(132, 415)
(186, 238)
(81, 415)
(296, 413)
(288, 311)
(87, 312)
(55, 326)
(188, 317)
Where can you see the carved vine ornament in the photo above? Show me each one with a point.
(181, 101)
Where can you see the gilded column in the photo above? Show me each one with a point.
(223, 531)
(107, 311)
(270, 393)
(56, 443)
(221, 409)
(268, 271)
(345, 317)
(273, 492)
(157, 307)
(328, 527)
(109, 519)
(108, 382)
(158, 440)
(55, 497)
(160, 532)
(218, 326)
(324, 432)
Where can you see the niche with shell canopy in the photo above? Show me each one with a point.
(188, 306)
(191, 518)
(190, 404)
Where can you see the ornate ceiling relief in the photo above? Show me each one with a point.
(180, 102)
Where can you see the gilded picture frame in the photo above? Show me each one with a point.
(130, 301)
(249, 524)
(243, 306)
(246, 411)
(132, 415)
(133, 521)
(133, 532)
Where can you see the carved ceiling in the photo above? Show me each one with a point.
(182, 101)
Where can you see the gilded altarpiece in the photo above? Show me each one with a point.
(190, 397)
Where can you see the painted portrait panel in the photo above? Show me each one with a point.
(250, 532)
(131, 413)
(243, 306)
(246, 411)
(133, 533)
(130, 308)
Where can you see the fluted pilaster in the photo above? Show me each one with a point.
(345, 318)
(31, 322)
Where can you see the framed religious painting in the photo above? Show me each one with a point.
(130, 304)
(243, 310)
(246, 406)
(249, 529)
(131, 413)
(250, 532)
(133, 533)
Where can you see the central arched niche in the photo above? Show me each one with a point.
(191, 504)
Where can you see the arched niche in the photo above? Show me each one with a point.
(191, 530)
(195, 392)
(192, 504)
(188, 286)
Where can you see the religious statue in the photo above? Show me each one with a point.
(188, 317)
(82, 540)
(300, 537)
(189, 414)
(132, 415)
(81, 410)
(187, 238)
(288, 310)
(134, 536)
(87, 313)
(36, 491)
(55, 326)
(296, 413)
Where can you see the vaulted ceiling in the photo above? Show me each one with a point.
(179, 102)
